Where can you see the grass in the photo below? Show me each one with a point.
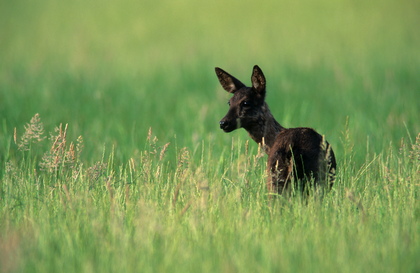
(86, 185)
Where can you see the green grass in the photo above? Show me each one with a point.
(185, 197)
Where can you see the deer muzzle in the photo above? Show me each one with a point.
(229, 125)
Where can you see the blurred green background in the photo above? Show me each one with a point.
(112, 69)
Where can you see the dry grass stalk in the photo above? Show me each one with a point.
(163, 151)
(34, 131)
(415, 150)
(152, 140)
(176, 193)
(183, 160)
(181, 172)
(59, 155)
(14, 135)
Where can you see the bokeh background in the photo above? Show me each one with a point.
(112, 69)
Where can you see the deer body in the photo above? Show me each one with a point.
(295, 154)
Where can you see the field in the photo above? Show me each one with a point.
(112, 160)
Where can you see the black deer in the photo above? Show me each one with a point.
(297, 156)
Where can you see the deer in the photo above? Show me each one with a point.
(298, 158)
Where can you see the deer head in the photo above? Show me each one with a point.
(247, 103)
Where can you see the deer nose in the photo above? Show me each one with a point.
(222, 124)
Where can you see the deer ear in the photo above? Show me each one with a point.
(228, 82)
(258, 80)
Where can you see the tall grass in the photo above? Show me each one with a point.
(112, 160)
(203, 213)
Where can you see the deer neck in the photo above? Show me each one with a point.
(265, 130)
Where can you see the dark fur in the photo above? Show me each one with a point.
(296, 154)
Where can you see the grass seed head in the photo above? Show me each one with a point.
(34, 131)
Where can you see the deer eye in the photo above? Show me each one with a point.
(246, 103)
(228, 102)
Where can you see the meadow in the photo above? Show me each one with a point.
(112, 160)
